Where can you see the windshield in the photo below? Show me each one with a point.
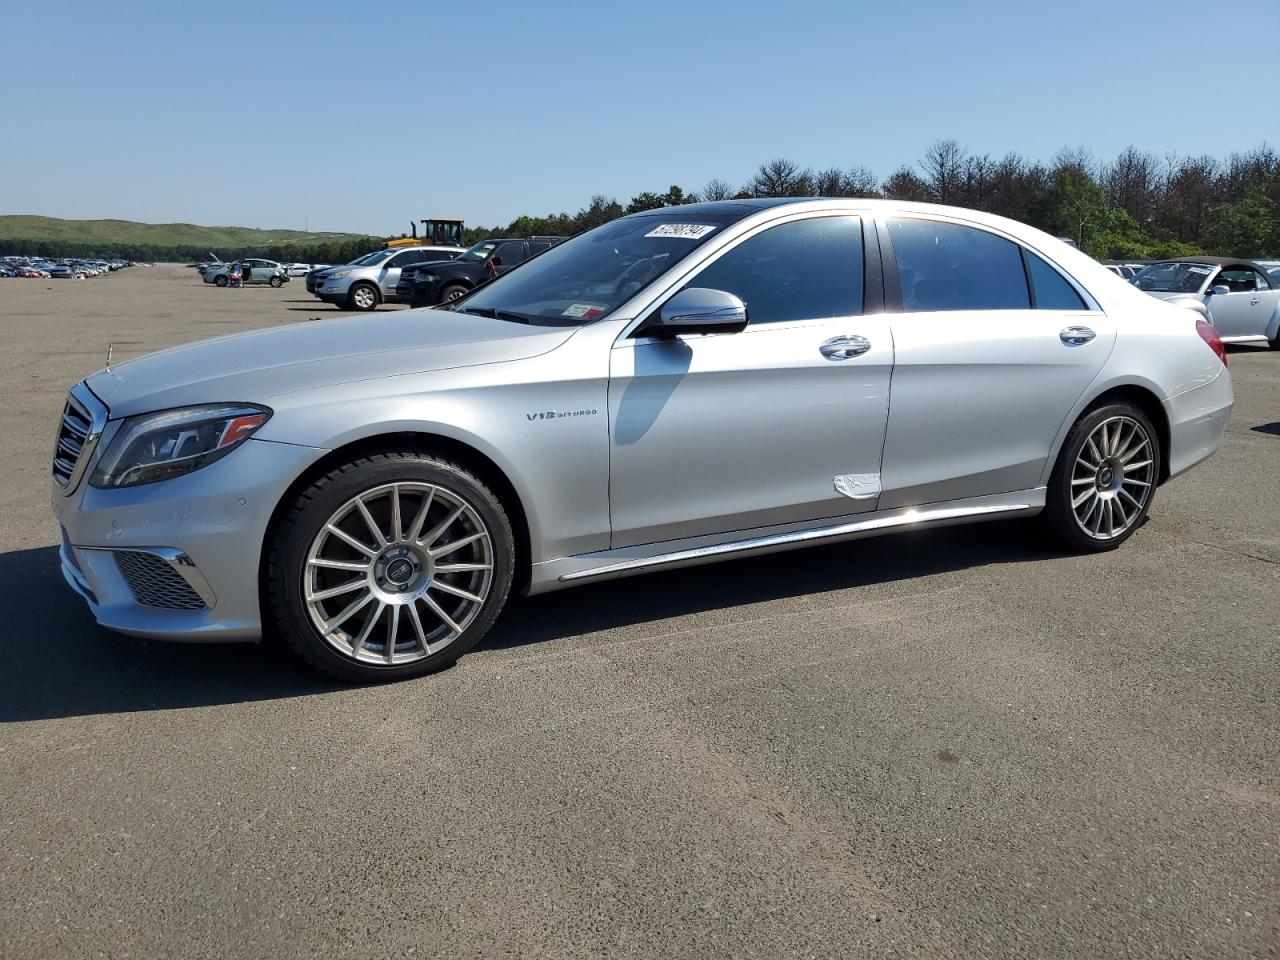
(585, 278)
(475, 253)
(1173, 277)
(371, 258)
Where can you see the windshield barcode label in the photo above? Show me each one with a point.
(682, 231)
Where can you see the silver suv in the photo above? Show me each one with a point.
(371, 280)
(677, 386)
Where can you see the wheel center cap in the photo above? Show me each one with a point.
(400, 571)
(1105, 477)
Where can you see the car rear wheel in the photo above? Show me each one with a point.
(390, 566)
(452, 292)
(220, 281)
(1102, 485)
(363, 296)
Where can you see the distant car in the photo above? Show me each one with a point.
(62, 271)
(1239, 297)
(446, 282)
(8, 270)
(251, 271)
(373, 279)
(298, 269)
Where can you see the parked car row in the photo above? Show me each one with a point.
(36, 268)
(422, 276)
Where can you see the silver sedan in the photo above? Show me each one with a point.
(1240, 298)
(675, 387)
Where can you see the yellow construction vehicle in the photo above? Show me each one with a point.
(438, 231)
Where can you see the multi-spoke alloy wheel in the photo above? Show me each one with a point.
(1112, 478)
(398, 573)
(1106, 474)
(390, 566)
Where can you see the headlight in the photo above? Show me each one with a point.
(339, 275)
(424, 278)
(157, 446)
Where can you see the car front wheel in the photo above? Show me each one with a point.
(1105, 477)
(454, 291)
(363, 296)
(390, 566)
(219, 281)
(277, 282)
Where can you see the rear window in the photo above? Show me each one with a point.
(1052, 291)
(946, 266)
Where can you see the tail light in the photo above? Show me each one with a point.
(1209, 334)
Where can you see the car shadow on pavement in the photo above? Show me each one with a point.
(728, 584)
(56, 662)
(1271, 428)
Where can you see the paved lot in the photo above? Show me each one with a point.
(954, 744)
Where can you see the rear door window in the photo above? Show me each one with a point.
(946, 266)
(1050, 288)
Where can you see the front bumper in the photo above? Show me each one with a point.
(207, 528)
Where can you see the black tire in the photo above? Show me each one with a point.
(1059, 514)
(276, 282)
(357, 301)
(452, 292)
(220, 281)
(291, 540)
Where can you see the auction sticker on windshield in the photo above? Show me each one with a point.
(682, 231)
(588, 310)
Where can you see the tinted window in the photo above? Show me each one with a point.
(1051, 290)
(944, 266)
(801, 270)
(537, 246)
(510, 254)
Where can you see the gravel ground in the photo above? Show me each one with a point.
(945, 744)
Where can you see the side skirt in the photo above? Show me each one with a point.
(627, 561)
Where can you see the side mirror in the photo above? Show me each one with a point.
(1218, 289)
(698, 310)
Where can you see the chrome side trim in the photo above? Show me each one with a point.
(910, 517)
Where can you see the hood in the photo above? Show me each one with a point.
(261, 364)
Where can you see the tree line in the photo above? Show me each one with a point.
(1136, 206)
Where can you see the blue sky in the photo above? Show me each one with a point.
(362, 115)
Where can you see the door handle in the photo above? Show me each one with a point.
(1076, 335)
(842, 348)
(1253, 302)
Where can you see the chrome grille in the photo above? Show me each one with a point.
(154, 583)
(83, 417)
(72, 433)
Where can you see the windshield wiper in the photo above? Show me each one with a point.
(494, 314)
